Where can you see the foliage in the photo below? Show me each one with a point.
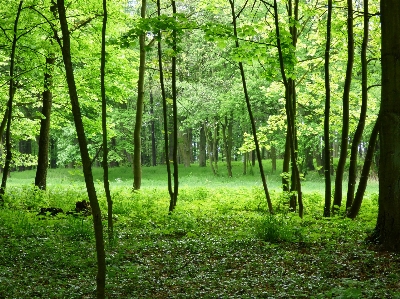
(218, 243)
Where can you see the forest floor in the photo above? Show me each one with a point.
(220, 242)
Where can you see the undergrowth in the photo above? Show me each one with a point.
(220, 242)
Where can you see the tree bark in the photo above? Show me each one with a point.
(153, 132)
(327, 150)
(387, 230)
(253, 125)
(137, 159)
(356, 204)
(363, 113)
(337, 199)
(165, 109)
(202, 146)
(104, 124)
(86, 163)
(11, 92)
(44, 137)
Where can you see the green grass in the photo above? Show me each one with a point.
(219, 243)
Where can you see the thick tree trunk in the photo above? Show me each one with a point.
(43, 154)
(86, 162)
(363, 113)
(327, 150)
(11, 92)
(137, 159)
(337, 199)
(387, 231)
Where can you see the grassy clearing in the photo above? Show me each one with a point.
(219, 243)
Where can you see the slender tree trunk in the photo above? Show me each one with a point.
(202, 146)
(286, 163)
(337, 200)
(86, 163)
(356, 204)
(363, 113)
(11, 92)
(165, 109)
(327, 150)
(273, 159)
(253, 125)
(227, 138)
(153, 132)
(174, 115)
(290, 112)
(43, 154)
(137, 159)
(104, 123)
(387, 230)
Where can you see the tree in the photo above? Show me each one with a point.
(387, 230)
(327, 151)
(137, 160)
(104, 121)
(86, 161)
(11, 92)
(337, 200)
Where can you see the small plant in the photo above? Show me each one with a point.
(274, 229)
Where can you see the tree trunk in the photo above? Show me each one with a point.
(137, 160)
(355, 208)
(165, 109)
(11, 92)
(202, 147)
(227, 138)
(387, 230)
(327, 150)
(153, 133)
(86, 162)
(363, 113)
(248, 104)
(273, 159)
(104, 124)
(43, 154)
(337, 200)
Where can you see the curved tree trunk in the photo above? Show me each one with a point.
(337, 200)
(11, 92)
(363, 113)
(86, 163)
(253, 126)
(355, 208)
(327, 151)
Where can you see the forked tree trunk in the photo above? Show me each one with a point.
(86, 162)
